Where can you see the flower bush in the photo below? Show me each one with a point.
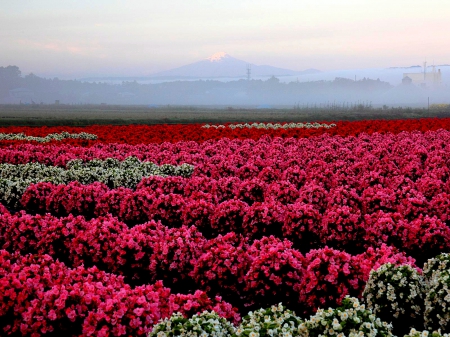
(222, 267)
(175, 253)
(396, 293)
(428, 235)
(436, 265)
(374, 258)
(341, 227)
(436, 302)
(201, 325)
(228, 217)
(274, 272)
(270, 322)
(382, 228)
(328, 277)
(300, 225)
(350, 319)
(263, 219)
(436, 272)
(425, 333)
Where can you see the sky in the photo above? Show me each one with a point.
(82, 38)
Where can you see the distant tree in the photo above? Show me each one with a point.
(10, 78)
(32, 81)
(273, 80)
(10, 73)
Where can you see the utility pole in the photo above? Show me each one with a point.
(249, 72)
(425, 71)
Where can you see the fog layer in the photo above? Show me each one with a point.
(31, 89)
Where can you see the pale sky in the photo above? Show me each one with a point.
(79, 38)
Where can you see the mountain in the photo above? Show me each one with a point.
(223, 65)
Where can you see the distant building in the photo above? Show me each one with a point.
(424, 79)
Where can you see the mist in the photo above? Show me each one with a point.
(269, 92)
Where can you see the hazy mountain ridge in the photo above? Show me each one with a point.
(223, 65)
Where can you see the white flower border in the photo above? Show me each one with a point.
(272, 126)
(49, 137)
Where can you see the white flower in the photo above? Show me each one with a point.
(337, 326)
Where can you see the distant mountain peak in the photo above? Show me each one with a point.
(218, 56)
(223, 65)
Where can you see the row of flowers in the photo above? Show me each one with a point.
(337, 218)
(244, 272)
(138, 134)
(15, 179)
(332, 161)
(40, 296)
(271, 126)
(49, 137)
(397, 300)
(350, 319)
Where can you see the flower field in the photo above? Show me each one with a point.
(106, 230)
